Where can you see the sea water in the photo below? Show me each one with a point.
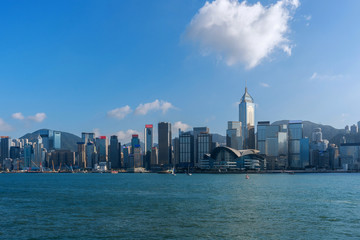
(163, 206)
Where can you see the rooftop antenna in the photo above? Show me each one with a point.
(245, 85)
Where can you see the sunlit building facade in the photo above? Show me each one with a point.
(247, 119)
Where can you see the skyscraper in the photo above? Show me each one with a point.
(186, 142)
(204, 146)
(233, 135)
(164, 135)
(295, 136)
(247, 119)
(102, 148)
(81, 155)
(135, 142)
(87, 137)
(38, 152)
(57, 140)
(114, 154)
(196, 132)
(4, 148)
(148, 144)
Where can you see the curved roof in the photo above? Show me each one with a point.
(236, 153)
(246, 97)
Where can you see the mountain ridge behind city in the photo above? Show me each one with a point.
(69, 140)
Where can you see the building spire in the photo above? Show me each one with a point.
(245, 86)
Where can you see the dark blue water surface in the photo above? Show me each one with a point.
(201, 206)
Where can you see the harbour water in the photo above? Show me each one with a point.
(201, 206)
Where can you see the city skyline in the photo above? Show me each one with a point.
(78, 69)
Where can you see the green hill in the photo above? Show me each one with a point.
(68, 140)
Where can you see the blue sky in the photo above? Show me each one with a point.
(73, 62)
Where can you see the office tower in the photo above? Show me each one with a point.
(14, 152)
(186, 142)
(196, 132)
(81, 155)
(28, 155)
(272, 142)
(298, 146)
(57, 140)
(316, 135)
(87, 137)
(319, 158)
(38, 153)
(148, 137)
(154, 156)
(353, 129)
(247, 119)
(176, 151)
(90, 155)
(164, 135)
(233, 135)
(4, 148)
(102, 148)
(204, 146)
(137, 157)
(334, 157)
(135, 141)
(347, 129)
(126, 153)
(114, 154)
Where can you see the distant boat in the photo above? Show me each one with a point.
(188, 171)
(247, 177)
(173, 172)
(114, 172)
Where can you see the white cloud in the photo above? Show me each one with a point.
(18, 116)
(120, 113)
(39, 117)
(180, 125)
(156, 105)
(242, 32)
(125, 136)
(96, 132)
(324, 77)
(264, 85)
(307, 17)
(4, 126)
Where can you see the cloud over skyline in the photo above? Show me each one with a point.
(125, 136)
(119, 113)
(38, 117)
(180, 125)
(241, 32)
(18, 116)
(156, 105)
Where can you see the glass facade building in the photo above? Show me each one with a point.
(164, 135)
(295, 129)
(233, 135)
(115, 154)
(57, 140)
(186, 155)
(247, 119)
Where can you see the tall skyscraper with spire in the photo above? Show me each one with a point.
(247, 119)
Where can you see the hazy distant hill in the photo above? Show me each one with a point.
(328, 132)
(218, 138)
(68, 140)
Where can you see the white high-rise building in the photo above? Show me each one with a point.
(247, 119)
